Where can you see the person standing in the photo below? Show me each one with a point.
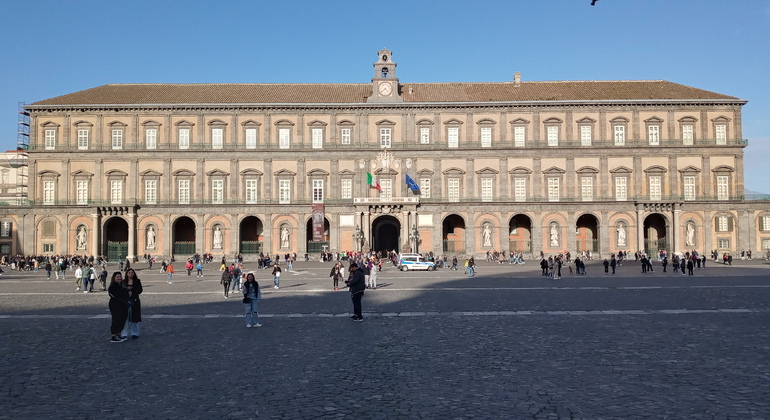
(103, 278)
(134, 314)
(48, 269)
(170, 271)
(613, 263)
(118, 307)
(356, 284)
(335, 275)
(225, 281)
(56, 269)
(199, 268)
(690, 266)
(367, 273)
(251, 296)
(236, 274)
(276, 275)
(189, 267)
(78, 277)
(373, 273)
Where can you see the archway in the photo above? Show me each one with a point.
(116, 238)
(251, 234)
(520, 234)
(654, 233)
(316, 247)
(587, 233)
(386, 234)
(453, 234)
(183, 237)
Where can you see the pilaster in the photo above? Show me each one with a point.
(268, 183)
(604, 178)
(200, 178)
(504, 190)
(131, 236)
(706, 164)
(537, 178)
(469, 179)
(638, 177)
(673, 177)
(571, 191)
(571, 238)
(675, 231)
(301, 192)
(639, 229)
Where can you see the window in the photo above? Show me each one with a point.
(723, 224)
(49, 192)
(424, 135)
(151, 138)
(723, 190)
(587, 188)
(184, 138)
(687, 134)
(653, 134)
(585, 135)
(453, 189)
(82, 139)
(723, 243)
(5, 229)
(765, 243)
(251, 191)
(116, 192)
(620, 135)
(486, 189)
(284, 138)
(425, 187)
(251, 138)
(318, 190)
(117, 138)
(486, 136)
(764, 223)
(520, 189)
(151, 191)
(284, 191)
(81, 192)
(453, 136)
(621, 188)
(655, 188)
(689, 187)
(553, 189)
(385, 137)
(184, 191)
(217, 191)
(345, 135)
(519, 134)
(50, 139)
(5, 249)
(217, 138)
(347, 188)
(386, 186)
(6, 177)
(721, 134)
(48, 248)
(553, 135)
(317, 135)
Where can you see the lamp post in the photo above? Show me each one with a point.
(357, 236)
(415, 237)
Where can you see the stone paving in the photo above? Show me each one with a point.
(507, 344)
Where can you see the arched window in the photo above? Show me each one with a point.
(384, 72)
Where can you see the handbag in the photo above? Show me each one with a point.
(246, 299)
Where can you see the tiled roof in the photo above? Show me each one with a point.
(217, 93)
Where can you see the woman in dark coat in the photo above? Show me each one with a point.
(225, 280)
(118, 306)
(134, 287)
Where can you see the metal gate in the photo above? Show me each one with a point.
(250, 247)
(116, 250)
(184, 248)
(317, 247)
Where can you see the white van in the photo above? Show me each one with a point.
(415, 262)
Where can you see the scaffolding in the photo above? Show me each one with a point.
(20, 158)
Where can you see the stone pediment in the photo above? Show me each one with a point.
(454, 171)
(386, 171)
(487, 171)
(150, 172)
(346, 172)
(251, 171)
(425, 172)
(317, 172)
(621, 170)
(690, 169)
(183, 172)
(553, 170)
(520, 170)
(81, 172)
(217, 172)
(284, 172)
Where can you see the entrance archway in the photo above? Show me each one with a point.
(587, 233)
(316, 247)
(453, 234)
(386, 234)
(116, 238)
(654, 233)
(520, 234)
(183, 237)
(251, 234)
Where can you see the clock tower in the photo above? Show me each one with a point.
(385, 83)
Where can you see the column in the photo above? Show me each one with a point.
(234, 130)
(708, 192)
(65, 189)
(639, 229)
(166, 182)
(201, 129)
(571, 225)
(537, 236)
(301, 177)
(571, 191)
(436, 187)
(675, 237)
(301, 129)
(267, 233)
(673, 177)
(96, 230)
(167, 237)
(235, 180)
(200, 190)
(367, 230)
(267, 127)
(98, 176)
(201, 235)
(131, 235)
(469, 179)
(268, 181)
(167, 133)
(605, 235)
(752, 228)
(707, 229)
(738, 181)
(604, 179)
(133, 181)
(743, 235)
(437, 235)
(503, 179)
(638, 177)
(537, 177)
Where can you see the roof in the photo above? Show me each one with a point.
(283, 93)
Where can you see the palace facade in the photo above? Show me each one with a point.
(174, 169)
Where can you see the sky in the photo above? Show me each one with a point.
(50, 48)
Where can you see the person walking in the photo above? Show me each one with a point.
(335, 275)
(199, 269)
(134, 315)
(276, 275)
(356, 285)
(170, 271)
(78, 277)
(689, 267)
(236, 275)
(251, 297)
(373, 273)
(48, 269)
(225, 281)
(103, 278)
(56, 269)
(118, 307)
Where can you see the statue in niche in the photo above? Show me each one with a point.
(621, 235)
(284, 237)
(151, 237)
(217, 238)
(554, 235)
(81, 238)
(487, 234)
(690, 234)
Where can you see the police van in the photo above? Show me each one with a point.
(414, 262)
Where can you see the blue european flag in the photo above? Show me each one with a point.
(411, 184)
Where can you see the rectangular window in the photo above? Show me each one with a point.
(151, 138)
(585, 135)
(284, 138)
(425, 187)
(689, 188)
(50, 139)
(251, 138)
(520, 189)
(553, 135)
(655, 188)
(723, 243)
(251, 191)
(386, 185)
(765, 243)
(117, 139)
(184, 191)
(217, 138)
(620, 188)
(82, 139)
(345, 135)
(424, 135)
(284, 191)
(722, 224)
(5, 229)
(687, 135)
(116, 192)
(765, 223)
(721, 134)
(184, 138)
(48, 248)
(217, 191)
(519, 134)
(151, 191)
(553, 189)
(487, 193)
(587, 188)
(723, 190)
(317, 135)
(620, 135)
(453, 136)
(347, 188)
(453, 189)
(49, 192)
(486, 136)
(318, 190)
(81, 192)
(653, 134)
(385, 139)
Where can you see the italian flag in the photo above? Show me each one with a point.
(372, 182)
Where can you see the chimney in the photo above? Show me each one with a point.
(517, 79)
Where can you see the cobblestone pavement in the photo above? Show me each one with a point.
(506, 344)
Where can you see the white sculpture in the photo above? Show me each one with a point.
(284, 237)
(217, 238)
(487, 232)
(81, 238)
(554, 235)
(621, 235)
(690, 238)
(151, 237)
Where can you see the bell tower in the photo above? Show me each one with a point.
(385, 83)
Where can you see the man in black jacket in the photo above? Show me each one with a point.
(356, 284)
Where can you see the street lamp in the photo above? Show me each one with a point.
(415, 237)
(357, 237)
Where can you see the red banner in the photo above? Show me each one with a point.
(318, 222)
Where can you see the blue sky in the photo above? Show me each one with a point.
(50, 48)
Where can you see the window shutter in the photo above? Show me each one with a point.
(729, 224)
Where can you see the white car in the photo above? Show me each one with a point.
(415, 262)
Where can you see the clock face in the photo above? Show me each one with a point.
(385, 89)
